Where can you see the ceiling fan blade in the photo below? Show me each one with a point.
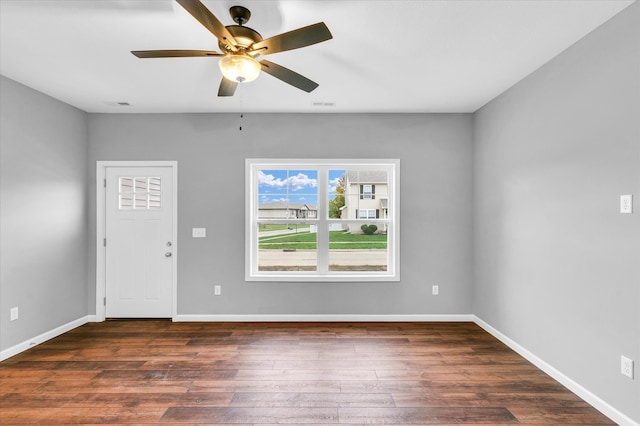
(209, 21)
(227, 87)
(173, 53)
(295, 39)
(288, 76)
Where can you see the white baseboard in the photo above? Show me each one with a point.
(27, 344)
(595, 401)
(324, 318)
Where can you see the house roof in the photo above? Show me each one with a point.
(283, 205)
(367, 176)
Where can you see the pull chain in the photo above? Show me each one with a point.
(241, 106)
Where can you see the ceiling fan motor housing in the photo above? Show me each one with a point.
(245, 37)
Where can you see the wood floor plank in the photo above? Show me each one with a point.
(307, 375)
(210, 364)
(168, 374)
(178, 399)
(156, 371)
(115, 386)
(439, 398)
(315, 400)
(388, 386)
(34, 401)
(255, 415)
(566, 416)
(426, 415)
(81, 416)
(321, 386)
(342, 364)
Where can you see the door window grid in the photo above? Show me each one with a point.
(139, 193)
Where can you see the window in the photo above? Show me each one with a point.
(322, 220)
(139, 193)
(367, 214)
(367, 192)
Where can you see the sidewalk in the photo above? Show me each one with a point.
(271, 258)
(282, 232)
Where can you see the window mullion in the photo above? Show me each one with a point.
(252, 220)
(323, 226)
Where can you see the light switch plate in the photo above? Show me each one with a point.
(626, 203)
(626, 366)
(199, 232)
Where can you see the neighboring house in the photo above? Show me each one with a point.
(283, 210)
(366, 196)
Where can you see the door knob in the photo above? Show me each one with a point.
(167, 254)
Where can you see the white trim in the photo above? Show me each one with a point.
(29, 343)
(324, 318)
(101, 173)
(591, 398)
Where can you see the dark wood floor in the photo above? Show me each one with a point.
(149, 372)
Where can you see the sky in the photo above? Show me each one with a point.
(294, 186)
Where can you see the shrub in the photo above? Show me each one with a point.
(369, 229)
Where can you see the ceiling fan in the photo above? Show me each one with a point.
(241, 46)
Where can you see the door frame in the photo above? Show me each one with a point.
(101, 226)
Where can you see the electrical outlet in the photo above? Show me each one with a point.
(626, 366)
(14, 313)
(435, 290)
(626, 203)
(217, 290)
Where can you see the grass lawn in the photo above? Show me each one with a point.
(337, 240)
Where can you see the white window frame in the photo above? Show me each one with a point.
(391, 223)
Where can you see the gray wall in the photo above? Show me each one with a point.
(557, 268)
(436, 172)
(43, 221)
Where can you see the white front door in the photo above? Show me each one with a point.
(139, 256)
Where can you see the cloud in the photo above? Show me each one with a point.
(272, 199)
(295, 183)
(270, 180)
(301, 181)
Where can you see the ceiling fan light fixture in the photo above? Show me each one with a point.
(240, 68)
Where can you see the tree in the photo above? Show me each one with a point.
(338, 201)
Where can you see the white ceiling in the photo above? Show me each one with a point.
(385, 56)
